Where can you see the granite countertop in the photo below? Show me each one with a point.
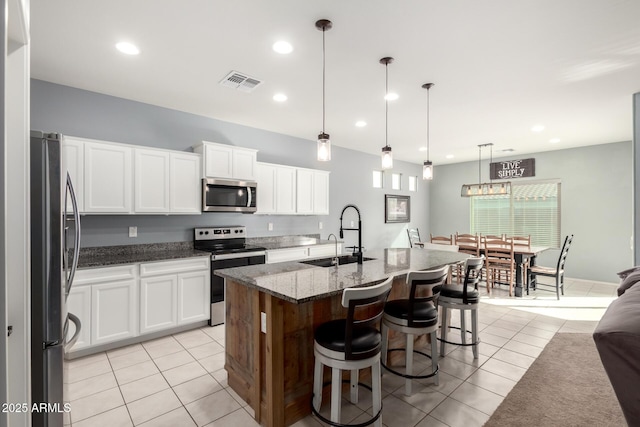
(129, 254)
(284, 242)
(297, 282)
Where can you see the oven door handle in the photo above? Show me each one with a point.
(238, 255)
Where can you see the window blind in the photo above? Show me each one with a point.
(531, 209)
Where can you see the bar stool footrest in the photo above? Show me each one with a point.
(328, 421)
(412, 377)
(459, 343)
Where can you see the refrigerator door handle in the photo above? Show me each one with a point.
(76, 245)
(69, 343)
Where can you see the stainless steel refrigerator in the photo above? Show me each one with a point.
(55, 245)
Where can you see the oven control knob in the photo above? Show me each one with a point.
(236, 231)
(206, 232)
(201, 233)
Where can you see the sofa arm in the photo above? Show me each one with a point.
(617, 338)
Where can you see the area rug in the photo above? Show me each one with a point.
(565, 386)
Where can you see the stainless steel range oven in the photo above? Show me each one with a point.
(228, 249)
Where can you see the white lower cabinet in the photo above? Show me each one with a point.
(301, 253)
(79, 304)
(116, 303)
(158, 305)
(174, 293)
(113, 311)
(193, 297)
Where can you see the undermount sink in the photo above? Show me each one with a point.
(344, 259)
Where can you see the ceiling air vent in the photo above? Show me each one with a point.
(240, 81)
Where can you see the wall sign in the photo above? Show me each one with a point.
(513, 169)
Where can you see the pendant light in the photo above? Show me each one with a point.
(387, 155)
(324, 143)
(427, 168)
(485, 188)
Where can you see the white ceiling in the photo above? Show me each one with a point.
(499, 66)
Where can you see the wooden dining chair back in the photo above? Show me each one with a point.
(500, 263)
(442, 240)
(520, 240)
(557, 273)
(468, 244)
(414, 238)
(484, 237)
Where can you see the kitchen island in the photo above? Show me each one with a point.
(273, 310)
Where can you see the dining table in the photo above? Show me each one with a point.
(521, 253)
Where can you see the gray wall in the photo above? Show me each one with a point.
(596, 204)
(86, 114)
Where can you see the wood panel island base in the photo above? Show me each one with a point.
(273, 310)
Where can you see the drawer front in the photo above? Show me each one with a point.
(174, 266)
(105, 274)
(324, 250)
(289, 254)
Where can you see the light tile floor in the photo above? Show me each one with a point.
(179, 380)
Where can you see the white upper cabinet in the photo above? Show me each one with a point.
(289, 190)
(285, 190)
(113, 178)
(107, 178)
(167, 182)
(226, 161)
(304, 191)
(276, 189)
(185, 186)
(73, 163)
(266, 202)
(320, 192)
(152, 171)
(312, 192)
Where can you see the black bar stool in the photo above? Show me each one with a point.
(351, 344)
(417, 315)
(463, 298)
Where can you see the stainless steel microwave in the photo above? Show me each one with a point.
(228, 195)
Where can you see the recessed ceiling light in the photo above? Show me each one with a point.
(128, 48)
(554, 140)
(391, 96)
(508, 150)
(282, 47)
(449, 156)
(537, 128)
(422, 149)
(279, 97)
(361, 123)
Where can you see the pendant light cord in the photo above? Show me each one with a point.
(427, 124)
(323, 79)
(386, 105)
(479, 164)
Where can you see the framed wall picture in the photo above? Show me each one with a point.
(397, 208)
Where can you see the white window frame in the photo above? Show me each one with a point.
(396, 181)
(507, 217)
(378, 179)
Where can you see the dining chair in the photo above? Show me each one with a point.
(519, 240)
(467, 244)
(442, 240)
(351, 344)
(499, 258)
(557, 273)
(414, 237)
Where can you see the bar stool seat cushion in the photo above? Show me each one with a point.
(331, 335)
(452, 291)
(424, 313)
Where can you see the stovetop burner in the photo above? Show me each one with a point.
(223, 240)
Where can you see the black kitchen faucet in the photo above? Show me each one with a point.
(359, 230)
